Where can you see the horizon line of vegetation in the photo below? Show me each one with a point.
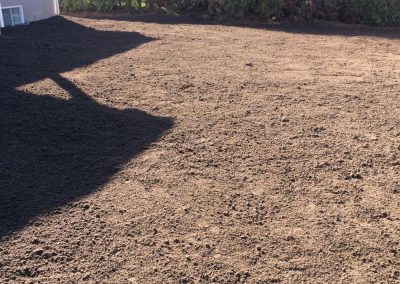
(370, 12)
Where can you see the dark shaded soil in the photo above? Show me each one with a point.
(138, 151)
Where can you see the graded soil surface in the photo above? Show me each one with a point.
(164, 150)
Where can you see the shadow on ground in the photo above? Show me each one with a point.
(312, 28)
(53, 151)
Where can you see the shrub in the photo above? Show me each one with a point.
(372, 12)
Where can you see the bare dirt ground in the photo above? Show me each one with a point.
(154, 151)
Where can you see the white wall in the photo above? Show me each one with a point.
(35, 10)
(1, 18)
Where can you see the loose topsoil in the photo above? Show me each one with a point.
(157, 150)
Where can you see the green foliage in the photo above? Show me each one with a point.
(237, 8)
(74, 5)
(100, 5)
(378, 13)
(371, 12)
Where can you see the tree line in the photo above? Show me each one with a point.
(371, 12)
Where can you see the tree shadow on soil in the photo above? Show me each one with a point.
(54, 151)
(312, 28)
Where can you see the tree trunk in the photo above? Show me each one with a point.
(129, 5)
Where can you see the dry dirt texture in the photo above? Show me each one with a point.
(154, 150)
